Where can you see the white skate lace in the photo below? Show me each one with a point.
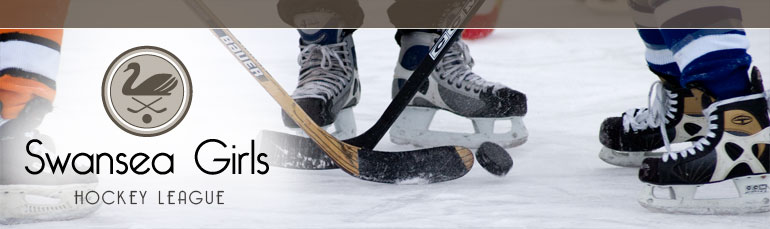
(701, 143)
(657, 113)
(325, 72)
(457, 65)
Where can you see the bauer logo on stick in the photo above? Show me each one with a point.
(146, 91)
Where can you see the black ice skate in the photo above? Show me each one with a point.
(634, 136)
(43, 197)
(455, 88)
(328, 87)
(735, 148)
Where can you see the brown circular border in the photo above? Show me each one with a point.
(163, 51)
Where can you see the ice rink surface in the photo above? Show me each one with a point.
(573, 78)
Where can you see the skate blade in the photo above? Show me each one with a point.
(634, 158)
(412, 127)
(753, 197)
(344, 127)
(35, 203)
(626, 158)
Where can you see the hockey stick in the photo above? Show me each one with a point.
(291, 151)
(420, 166)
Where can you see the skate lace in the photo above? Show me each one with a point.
(324, 70)
(698, 145)
(656, 115)
(456, 67)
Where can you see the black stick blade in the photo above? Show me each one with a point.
(421, 166)
(294, 152)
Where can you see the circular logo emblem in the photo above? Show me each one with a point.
(146, 91)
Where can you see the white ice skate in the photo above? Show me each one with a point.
(43, 197)
(34, 203)
(736, 148)
(455, 88)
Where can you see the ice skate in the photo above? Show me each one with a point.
(455, 88)
(734, 149)
(636, 135)
(328, 87)
(28, 198)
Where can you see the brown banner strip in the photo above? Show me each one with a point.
(387, 13)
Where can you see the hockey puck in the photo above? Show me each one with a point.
(494, 158)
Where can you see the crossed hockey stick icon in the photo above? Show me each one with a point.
(146, 106)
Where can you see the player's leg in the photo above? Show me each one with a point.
(734, 146)
(328, 86)
(454, 87)
(738, 131)
(29, 61)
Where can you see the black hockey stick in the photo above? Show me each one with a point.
(420, 166)
(291, 151)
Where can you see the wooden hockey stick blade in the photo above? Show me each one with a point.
(385, 167)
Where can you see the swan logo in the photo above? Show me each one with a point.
(146, 91)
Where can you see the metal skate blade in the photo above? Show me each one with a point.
(634, 158)
(344, 127)
(414, 127)
(35, 203)
(748, 194)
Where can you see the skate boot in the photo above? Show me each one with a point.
(734, 149)
(634, 136)
(46, 196)
(455, 88)
(328, 87)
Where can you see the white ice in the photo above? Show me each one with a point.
(574, 78)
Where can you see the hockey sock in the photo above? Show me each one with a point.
(714, 59)
(659, 58)
(323, 36)
(29, 61)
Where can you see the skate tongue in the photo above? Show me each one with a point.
(308, 24)
(320, 36)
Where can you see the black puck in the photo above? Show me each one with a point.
(494, 158)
